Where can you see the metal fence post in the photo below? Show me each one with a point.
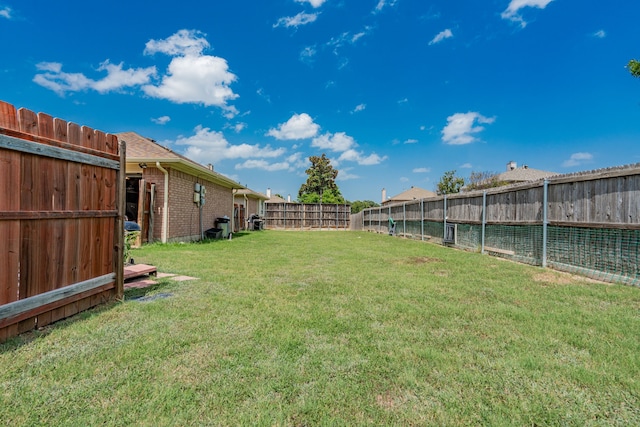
(404, 219)
(421, 219)
(444, 215)
(545, 221)
(484, 218)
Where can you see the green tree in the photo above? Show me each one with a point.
(329, 196)
(321, 182)
(634, 68)
(449, 183)
(359, 205)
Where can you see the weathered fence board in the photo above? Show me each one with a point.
(61, 220)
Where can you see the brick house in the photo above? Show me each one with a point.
(176, 214)
(247, 202)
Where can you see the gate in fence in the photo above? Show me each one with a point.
(61, 219)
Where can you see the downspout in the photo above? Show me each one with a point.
(233, 208)
(246, 210)
(165, 208)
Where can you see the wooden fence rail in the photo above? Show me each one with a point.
(587, 222)
(61, 219)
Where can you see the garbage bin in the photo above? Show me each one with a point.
(213, 233)
(223, 224)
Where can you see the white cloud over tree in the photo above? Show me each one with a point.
(299, 126)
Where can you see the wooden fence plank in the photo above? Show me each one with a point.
(27, 121)
(45, 126)
(8, 116)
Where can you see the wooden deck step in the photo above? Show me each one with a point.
(137, 270)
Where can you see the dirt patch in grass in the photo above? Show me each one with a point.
(562, 278)
(419, 260)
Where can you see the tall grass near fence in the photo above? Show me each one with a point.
(335, 329)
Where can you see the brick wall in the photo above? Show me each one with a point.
(183, 213)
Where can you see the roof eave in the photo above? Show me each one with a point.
(190, 168)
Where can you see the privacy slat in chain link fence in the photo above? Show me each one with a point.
(587, 223)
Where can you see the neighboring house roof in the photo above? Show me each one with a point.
(145, 150)
(275, 199)
(251, 194)
(414, 193)
(523, 174)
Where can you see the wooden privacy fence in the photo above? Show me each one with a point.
(587, 223)
(61, 219)
(305, 216)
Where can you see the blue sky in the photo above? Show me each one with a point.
(395, 92)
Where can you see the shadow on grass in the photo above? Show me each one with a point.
(236, 235)
(28, 337)
(137, 293)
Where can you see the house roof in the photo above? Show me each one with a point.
(275, 199)
(251, 194)
(145, 150)
(414, 193)
(523, 174)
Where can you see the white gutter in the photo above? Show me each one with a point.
(165, 208)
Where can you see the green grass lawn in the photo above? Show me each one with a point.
(335, 328)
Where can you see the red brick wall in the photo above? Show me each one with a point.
(183, 213)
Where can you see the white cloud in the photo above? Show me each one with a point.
(421, 170)
(182, 43)
(352, 155)
(264, 165)
(345, 175)
(460, 127)
(512, 11)
(347, 38)
(411, 141)
(466, 166)
(161, 120)
(446, 34)
(313, 3)
(295, 21)
(117, 78)
(299, 126)
(577, 159)
(359, 107)
(5, 12)
(308, 54)
(239, 127)
(191, 76)
(297, 161)
(600, 34)
(338, 142)
(207, 146)
(384, 3)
